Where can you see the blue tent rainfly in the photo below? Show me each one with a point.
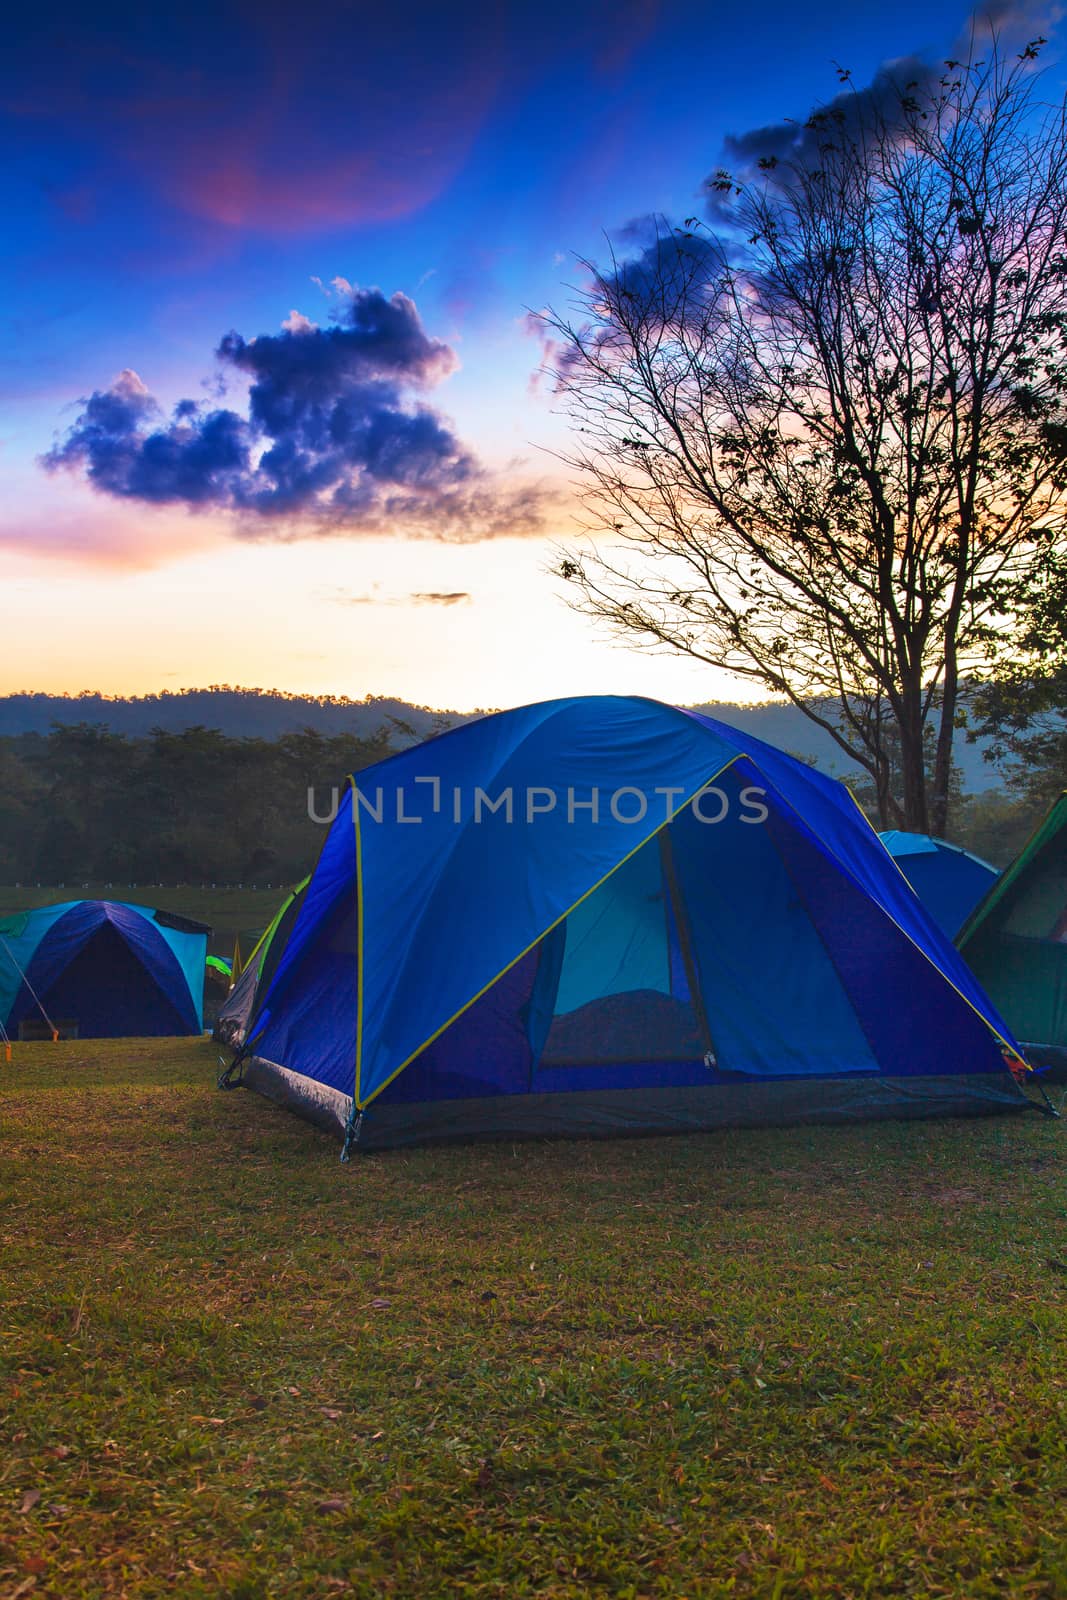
(100, 969)
(949, 880)
(604, 914)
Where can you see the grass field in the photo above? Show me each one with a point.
(804, 1362)
(228, 912)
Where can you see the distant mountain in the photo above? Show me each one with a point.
(268, 713)
(786, 728)
(238, 713)
(789, 729)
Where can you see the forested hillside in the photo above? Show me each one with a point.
(238, 712)
(211, 786)
(270, 714)
(85, 804)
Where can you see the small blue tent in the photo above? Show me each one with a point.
(604, 914)
(100, 969)
(949, 880)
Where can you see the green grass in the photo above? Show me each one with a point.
(776, 1363)
(228, 912)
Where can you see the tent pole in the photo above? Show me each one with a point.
(48, 1021)
(681, 922)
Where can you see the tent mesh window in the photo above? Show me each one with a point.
(622, 991)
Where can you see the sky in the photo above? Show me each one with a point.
(272, 410)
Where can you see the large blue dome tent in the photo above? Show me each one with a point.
(604, 914)
(101, 969)
(949, 880)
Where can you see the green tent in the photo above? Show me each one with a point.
(1016, 942)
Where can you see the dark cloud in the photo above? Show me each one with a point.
(337, 434)
(657, 274)
(431, 597)
(884, 103)
(378, 339)
(199, 457)
(668, 264)
(674, 271)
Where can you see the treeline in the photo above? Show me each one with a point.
(995, 823)
(238, 712)
(84, 804)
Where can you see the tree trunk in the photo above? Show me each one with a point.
(889, 815)
(939, 797)
(912, 764)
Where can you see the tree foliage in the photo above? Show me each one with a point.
(816, 438)
(84, 804)
(1022, 713)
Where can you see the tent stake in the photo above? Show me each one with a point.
(352, 1132)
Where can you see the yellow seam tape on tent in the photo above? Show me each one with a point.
(267, 931)
(970, 1003)
(877, 835)
(359, 939)
(515, 961)
(742, 755)
(262, 940)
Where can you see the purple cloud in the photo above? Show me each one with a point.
(885, 103)
(337, 434)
